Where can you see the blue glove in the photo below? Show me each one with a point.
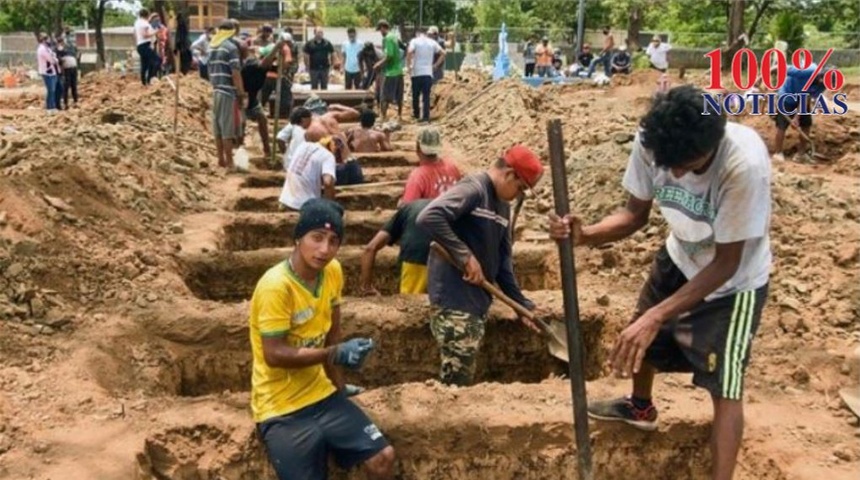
(351, 353)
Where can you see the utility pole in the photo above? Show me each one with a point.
(580, 25)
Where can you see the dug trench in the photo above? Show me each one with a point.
(200, 349)
(488, 431)
(231, 276)
(253, 231)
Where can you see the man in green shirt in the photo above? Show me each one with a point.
(392, 71)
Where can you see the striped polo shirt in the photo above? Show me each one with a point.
(222, 61)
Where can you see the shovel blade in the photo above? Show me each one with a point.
(851, 397)
(556, 335)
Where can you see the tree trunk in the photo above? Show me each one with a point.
(57, 26)
(634, 26)
(182, 44)
(759, 13)
(100, 38)
(736, 28)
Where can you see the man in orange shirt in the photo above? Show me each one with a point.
(543, 58)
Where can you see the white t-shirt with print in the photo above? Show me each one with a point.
(423, 48)
(729, 202)
(304, 174)
(141, 28)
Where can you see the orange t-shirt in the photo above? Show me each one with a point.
(543, 56)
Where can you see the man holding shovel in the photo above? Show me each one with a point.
(471, 222)
(790, 94)
(701, 305)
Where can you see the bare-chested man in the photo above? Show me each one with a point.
(365, 139)
(326, 123)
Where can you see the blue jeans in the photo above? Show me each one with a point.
(605, 60)
(50, 92)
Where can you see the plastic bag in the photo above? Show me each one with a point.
(240, 159)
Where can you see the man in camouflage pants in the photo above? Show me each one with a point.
(471, 221)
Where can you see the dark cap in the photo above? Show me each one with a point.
(382, 23)
(319, 213)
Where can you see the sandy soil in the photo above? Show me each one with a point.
(112, 366)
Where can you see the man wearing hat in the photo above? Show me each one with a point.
(543, 58)
(298, 397)
(392, 71)
(621, 61)
(471, 221)
(434, 174)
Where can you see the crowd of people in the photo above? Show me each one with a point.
(543, 60)
(57, 60)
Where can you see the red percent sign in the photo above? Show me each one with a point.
(801, 59)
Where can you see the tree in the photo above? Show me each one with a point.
(787, 26)
(344, 15)
(37, 16)
(492, 13)
(100, 38)
(312, 11)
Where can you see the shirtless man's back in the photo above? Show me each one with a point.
(364, 139)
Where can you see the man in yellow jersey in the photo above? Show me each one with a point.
(414, 250)
(297, 397)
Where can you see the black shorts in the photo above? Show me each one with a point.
(298, 444)
(782, 121)
(392, 89)
(713, 340)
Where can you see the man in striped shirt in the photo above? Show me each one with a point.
(228, 91)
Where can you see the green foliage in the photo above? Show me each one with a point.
(787, 26)
(492, 13)
(403, 12)
(116, 18)
(343, 14)
(40, 15)
(313, 11)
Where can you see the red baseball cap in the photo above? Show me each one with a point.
(525, 163)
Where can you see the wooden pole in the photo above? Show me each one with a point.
(571, 303)
(176, 92)
(274, 149)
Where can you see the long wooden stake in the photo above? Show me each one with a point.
(274, 149)
(571, 303)
(176, 99)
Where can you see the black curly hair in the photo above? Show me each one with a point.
(677, 130)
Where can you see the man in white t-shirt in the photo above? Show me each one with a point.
(311, 173)
(658, 52)
(143, 35)
(420, 62)
(701, 306)
(291, 137)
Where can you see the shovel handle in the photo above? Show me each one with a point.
(489, 287)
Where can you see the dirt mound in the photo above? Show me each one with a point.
(87, 193)
(455, 90)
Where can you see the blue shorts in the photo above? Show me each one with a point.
(298, 444)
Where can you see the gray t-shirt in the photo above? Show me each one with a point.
(730, 202)
(223, 60)
(304, 174)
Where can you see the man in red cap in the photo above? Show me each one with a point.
(471, 220)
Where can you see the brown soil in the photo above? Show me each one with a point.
(122, 356)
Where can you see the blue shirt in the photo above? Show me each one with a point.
(350, 54)
(795, 79)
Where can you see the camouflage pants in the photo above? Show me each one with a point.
(459, 337)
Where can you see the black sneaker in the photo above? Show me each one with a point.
(623, 410)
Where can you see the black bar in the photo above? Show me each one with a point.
(571, 304)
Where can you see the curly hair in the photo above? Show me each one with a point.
(677, 129)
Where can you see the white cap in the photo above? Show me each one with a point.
(623, 48)
(287, 37)
(433, 30)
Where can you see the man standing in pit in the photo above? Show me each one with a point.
(792, 89)
(298, 397)
(392, 71)
(402, 228)
(701, 305)
(471, 221)
(364, 139)
(434, 174)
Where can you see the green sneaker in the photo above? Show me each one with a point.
(623, 410)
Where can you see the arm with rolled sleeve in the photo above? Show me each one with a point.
(436, 218)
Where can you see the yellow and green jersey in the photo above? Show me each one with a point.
(284, 307)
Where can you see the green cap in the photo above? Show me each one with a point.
(316, 105)
(430, 141)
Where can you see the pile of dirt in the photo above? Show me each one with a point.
(456, 89)
(90, 197)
